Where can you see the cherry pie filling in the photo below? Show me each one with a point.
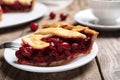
(59, 49)
(16, 6)
(0, 13)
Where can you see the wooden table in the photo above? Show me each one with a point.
(106, 66)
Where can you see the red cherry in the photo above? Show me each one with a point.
(52, 15)
(67, 52)
(64, 45)
(16, 3)
(27, 52)
(34, 26)
(6, 9)
(75, 45)
(20, 61)
(63, 16)
(18, 54)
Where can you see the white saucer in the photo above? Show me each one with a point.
(86, 18)
(10, 57)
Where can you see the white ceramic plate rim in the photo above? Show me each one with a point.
(53, 1)
(9, 55)
(89, 16)
(13, 19)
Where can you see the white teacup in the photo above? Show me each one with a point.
(107, 11)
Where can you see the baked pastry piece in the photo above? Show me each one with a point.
(0, 13)
(17, 5)
(55, 44)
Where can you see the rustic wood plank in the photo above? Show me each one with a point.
(10, 34)
(109, 54)
(6, 35)
(82, 73)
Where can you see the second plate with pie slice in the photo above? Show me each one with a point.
(12, 19)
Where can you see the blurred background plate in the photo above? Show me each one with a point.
(12, 19)
(55, 5)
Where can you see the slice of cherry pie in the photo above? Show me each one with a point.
(55, 44)
(17, 5)
(0, 13)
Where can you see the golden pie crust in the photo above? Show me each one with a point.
(62, 30)
(25, 2)
(77, 28)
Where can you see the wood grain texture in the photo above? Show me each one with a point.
(109, 54)
(87, 72)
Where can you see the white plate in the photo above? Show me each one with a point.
(55, 5)
(55, 2)
(86, 18)
(12, 19)
(10, 57)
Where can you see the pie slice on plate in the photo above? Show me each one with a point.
(17, 5)
(55, 44)
(0, 13)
